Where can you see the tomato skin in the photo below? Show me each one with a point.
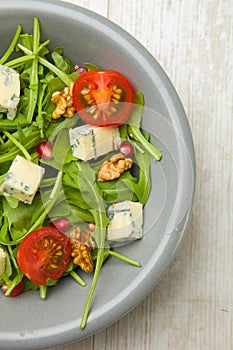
(103, 97)
(44, 253)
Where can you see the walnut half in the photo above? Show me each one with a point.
(82, 256)
(64, 103)
(82, 244)
(113, 168)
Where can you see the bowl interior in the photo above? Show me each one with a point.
(86, 37)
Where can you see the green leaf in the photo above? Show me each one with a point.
(90, 66)
(26, 40)
(63, 63)
(74, 196)
(87, 178)
(144, 183)
(21, 136)
(19, 218)
(29, 285)
(12, 202)
(8, 268)
(134, 123)
(31, 141)
(61, 146)
(124, 188)
(4, 233)
(50, 282)
(11, 125)
(11, 46)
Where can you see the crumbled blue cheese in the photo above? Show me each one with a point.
(126, 220)
(10, 91)
(2, 261)
(22, 180)
(89, 142)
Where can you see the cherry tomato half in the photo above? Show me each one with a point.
(44, 253)
(103, 97)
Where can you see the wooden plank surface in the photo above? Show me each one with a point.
(192, 307)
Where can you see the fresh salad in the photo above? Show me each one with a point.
(74, 167)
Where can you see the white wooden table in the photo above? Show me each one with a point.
(192, 307)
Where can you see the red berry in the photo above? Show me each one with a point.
(45, 150)
(61, 224)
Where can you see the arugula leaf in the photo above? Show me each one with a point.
(90, 66)
(134, 123)
(144, 183)
(11, 125)
(124, 188)
(19, 218)
(4, 229)
(11, 46)
(86, 178)
(63, 63)
(31, 141)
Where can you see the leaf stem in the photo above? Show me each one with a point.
(53, 197)
(78, 279)
(134, 130)
(10, 155)
(18, 278)
(33, 91)
(87, 307)
(43, 292)
(63, 76)
(101, 222)
(124, 258)
(13, 259)
(19, 60)
(12, 45)
(18, 144)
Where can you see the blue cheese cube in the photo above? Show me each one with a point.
(89, 142)
(2, 261)
(10, 91)
(126, 220)
(22, 180)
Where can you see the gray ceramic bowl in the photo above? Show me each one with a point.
(27, 322)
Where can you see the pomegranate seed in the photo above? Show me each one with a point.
(16, 291)
(61, 224)
(81, 69)
(45, 150)
(126, 149)
(91, 226)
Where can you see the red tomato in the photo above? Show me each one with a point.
(44, 253)
(103, 97)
